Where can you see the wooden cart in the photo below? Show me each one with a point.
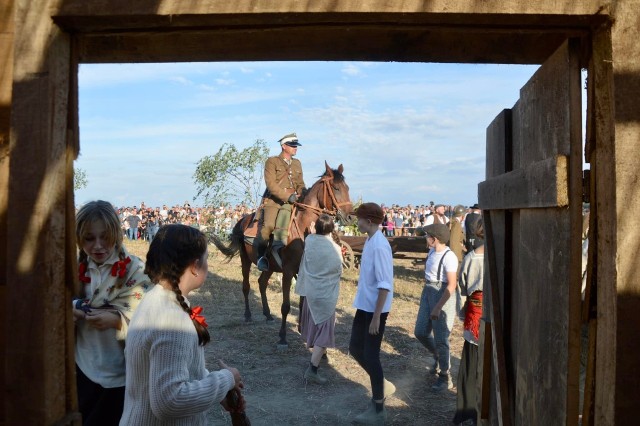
(405, 247)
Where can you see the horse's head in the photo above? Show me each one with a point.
(334, 195)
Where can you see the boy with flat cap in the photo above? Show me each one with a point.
(285, 183)
(373, 303)
(437, 309)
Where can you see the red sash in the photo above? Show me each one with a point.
(473, 313)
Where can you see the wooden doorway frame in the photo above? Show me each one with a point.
(45, 40)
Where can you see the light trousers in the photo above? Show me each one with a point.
(434, 334)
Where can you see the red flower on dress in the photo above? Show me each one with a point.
(195, 315)
(82, 273)
(120, 267)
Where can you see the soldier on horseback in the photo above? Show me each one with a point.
(285, 183)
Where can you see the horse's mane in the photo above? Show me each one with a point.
(337, 178)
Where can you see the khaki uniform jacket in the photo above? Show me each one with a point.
(282, 180)
(456, 241)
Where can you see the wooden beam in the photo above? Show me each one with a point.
(485, 358)
(617, 77)
(540, 185)
(39, 381)
(7, 36)
(141, 8)
(499, 363)
(330, 41)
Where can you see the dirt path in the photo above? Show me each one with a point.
(275, 391)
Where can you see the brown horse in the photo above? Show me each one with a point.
(330, 194)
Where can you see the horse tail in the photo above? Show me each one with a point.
(233, 248)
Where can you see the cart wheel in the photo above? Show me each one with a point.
(348, 259)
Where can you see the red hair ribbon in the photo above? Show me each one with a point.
(195, 315)
(82, 273)
(120, 267)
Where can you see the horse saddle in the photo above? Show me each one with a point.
(251, 231)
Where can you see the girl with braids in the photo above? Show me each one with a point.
(113, 283)
(167, 382)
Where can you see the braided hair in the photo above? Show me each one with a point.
(174, 248)
(100, 211)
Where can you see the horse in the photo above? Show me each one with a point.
(329, 194)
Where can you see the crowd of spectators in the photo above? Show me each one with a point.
(142, 222)
(404, 220)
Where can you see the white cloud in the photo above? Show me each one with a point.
(351, 70)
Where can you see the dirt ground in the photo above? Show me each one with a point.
(275, 390)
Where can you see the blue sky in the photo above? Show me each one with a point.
(406, 133)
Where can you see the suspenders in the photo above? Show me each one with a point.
(440, 265)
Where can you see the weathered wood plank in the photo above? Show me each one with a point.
(485, 357)
(295, 7)
(330, 41)
(539, 185)
(546, 129)
(574, 66)
(498, 157)
(6, 83)
(617, 131)
(541, 317)
(498, 148)
(504, 403)
(37, 224)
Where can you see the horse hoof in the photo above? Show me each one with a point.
(269, 319)
(248, 319)
(281, 347)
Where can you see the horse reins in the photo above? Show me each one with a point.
(326, 190)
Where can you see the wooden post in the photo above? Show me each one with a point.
(39, 277)
(616, 75)
(6, 82)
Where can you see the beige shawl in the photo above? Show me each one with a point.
(319, 276)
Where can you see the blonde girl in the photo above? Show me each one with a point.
(112, 284)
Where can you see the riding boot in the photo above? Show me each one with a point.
(263, 262)
(281, 233)
(275, 252)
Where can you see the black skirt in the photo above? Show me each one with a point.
(467, 384)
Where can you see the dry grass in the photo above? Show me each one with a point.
(275, 391)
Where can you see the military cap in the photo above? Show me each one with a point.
(291, 140)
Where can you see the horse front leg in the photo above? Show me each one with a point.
(284, 310)
(263, 282)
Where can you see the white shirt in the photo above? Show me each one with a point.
(376, 272)
(450, 264)
(431, 219)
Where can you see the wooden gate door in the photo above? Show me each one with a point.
(532, 207)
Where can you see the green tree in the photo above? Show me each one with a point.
(79, 179)
(231, 175)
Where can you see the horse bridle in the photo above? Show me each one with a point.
(327, 192)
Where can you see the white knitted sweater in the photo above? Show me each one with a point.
(167, 382)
